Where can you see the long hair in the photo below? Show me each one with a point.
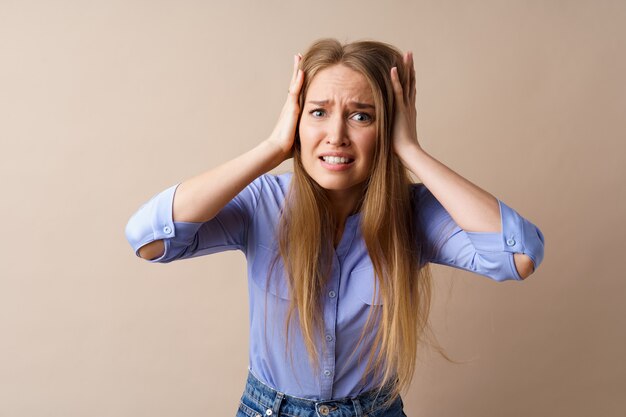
(393, 239)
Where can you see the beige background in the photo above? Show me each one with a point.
(104, 104)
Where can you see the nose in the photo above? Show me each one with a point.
(337, 132)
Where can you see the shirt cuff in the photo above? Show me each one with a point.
(154, 221)
(518, 235)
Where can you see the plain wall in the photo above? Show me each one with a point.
(104, 104)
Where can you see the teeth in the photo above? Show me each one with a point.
(335, 159)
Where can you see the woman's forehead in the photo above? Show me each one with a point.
(340, 83)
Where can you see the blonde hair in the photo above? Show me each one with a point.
(393, 239)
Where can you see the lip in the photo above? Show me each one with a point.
(336, 167)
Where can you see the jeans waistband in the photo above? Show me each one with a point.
(262, 400)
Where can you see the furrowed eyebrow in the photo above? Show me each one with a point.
(356, 104)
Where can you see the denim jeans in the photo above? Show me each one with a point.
(260, 400)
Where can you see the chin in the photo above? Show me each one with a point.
(337, 184)
(335, 181)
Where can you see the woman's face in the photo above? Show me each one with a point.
(338, 121)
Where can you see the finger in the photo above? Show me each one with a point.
(395, 80)
(296, 86)
(397, 86)
(299, 81)
(297, 77)
(296, 59)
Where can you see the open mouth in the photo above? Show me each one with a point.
(336, 160)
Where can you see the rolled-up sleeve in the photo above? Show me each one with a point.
(226, 231)
(486, 253)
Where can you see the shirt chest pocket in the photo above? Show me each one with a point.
(259, 273)
(361, 286)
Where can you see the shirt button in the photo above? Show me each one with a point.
(329, 337)
(332, 294)
(327, 372)
(167, 230)
(269, 412)
(510, 241)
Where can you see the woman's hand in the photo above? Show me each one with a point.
(284, 132)
(404, 130)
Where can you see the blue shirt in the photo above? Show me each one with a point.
(247, 223)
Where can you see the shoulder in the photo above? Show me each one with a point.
(426, 206)
(273, 184)
(282, 180)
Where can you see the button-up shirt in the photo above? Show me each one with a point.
(248, 223)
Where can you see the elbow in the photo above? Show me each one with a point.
(136, 233)
(152, 251)
(524, 265)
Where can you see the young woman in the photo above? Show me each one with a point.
(339, 250)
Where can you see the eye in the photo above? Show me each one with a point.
(362, 117)
(368, 118)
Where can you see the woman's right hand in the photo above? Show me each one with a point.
(284, 132)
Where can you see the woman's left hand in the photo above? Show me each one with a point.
(404, 130)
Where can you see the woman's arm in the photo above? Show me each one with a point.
(200, 198)
(471, 207)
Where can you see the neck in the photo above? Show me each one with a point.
(343, 204)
